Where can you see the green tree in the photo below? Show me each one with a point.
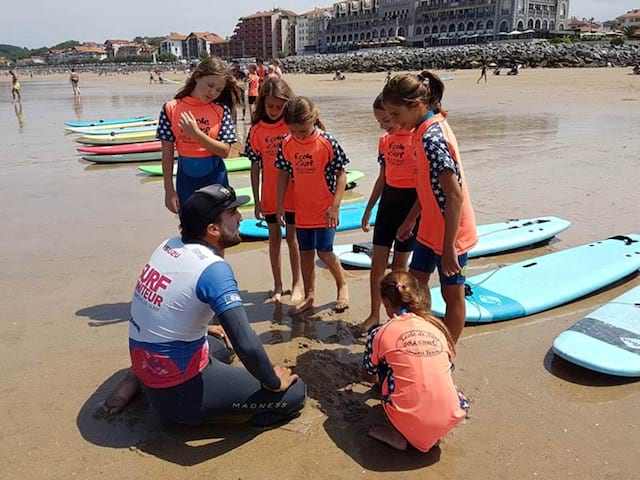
(629, 32)
(204, 56)
(67, 44)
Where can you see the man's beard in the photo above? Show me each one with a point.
(227, 240)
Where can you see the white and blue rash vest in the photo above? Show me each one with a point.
(171, 308)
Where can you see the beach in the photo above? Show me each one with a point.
(563, 142)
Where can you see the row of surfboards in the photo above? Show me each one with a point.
(607, 341)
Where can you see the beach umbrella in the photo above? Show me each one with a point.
(493, 65)
(515, 32)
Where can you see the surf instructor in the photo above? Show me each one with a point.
(178, 360)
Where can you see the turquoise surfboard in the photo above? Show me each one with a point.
(545, 282)
(108, 122)
(608, 339)
(350, 216)
(492, 238)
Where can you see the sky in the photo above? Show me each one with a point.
(37, 23)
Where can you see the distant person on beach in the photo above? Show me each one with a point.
(261, 70)
(316, 163)
(395, 188)
(263, 142)
(636, 70)
(496, 71)
(152, 77)
(74, 80)
(514, 70)
(411, 357)
(338, 75)
(278, 68)
(447, 227)
(15, 86)
(180, 361)
(272, 72)
(241, 77)
(198, 124)
(253, 88)
(483, 73)
(388, 77)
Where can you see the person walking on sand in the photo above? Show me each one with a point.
(74, 79)
(180, 361)
(483, 73)
(15, 86)
(447, 228)
(316, 163)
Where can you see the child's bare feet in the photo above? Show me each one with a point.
(274, 295)
(342, 303)
(388, 435)
(297, 294)
(120, 396)
(306, 304)
(363, 328)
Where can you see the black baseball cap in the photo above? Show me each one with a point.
(205, 206)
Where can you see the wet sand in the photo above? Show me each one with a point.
(74, 236)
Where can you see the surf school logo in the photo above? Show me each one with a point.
(419, 343)
(304, 163)
(149, 282)
(396, 153)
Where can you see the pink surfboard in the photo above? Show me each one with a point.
(122, 149)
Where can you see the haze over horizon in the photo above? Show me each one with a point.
(51, 22)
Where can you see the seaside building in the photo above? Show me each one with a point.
(199, 43)
(174, 45)
(113, 46)
(630, 19)
(310, 30)
(363, 23)
(265, 35)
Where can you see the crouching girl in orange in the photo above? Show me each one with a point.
(411, 355)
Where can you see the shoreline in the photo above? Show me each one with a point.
(548, 141)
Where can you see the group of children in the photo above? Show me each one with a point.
(298, 179)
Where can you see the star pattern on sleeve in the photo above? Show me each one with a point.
(164, 132)
(250, 153)
(281, 162)
(440, 159)
(367, 361)
(381, 161)
(227, 132)
(339, 162)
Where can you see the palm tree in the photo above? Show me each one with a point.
(629, 31)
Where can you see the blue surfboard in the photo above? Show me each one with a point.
(541, 283)
(95, 123)
(350, 218)
(608, 339)
(492, 238)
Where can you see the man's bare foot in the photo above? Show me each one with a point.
(363, 328)
(388, 435)
(342, 303)
(120, 396)
(306, 304)
(297, 294)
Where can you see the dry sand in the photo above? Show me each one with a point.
(74, 236)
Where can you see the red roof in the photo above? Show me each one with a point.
(176, 36)
(630, 14)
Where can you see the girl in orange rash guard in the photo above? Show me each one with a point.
(198, 124)
(263, 142)
(411, 355)
(447, 228)
(315, 162)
